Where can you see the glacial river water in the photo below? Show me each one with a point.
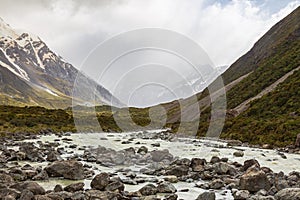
(181, 147)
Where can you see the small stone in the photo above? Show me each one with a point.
(238, 154)
(241, 195)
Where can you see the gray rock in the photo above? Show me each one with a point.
(41, 176)
(115, 185)
(69, 169)
(159, 155)
(197, 164)
(100, 181)
(166, 187)
(26, 195)
(171, 197)
(142, 150)
(241, 195)
(118, 158)
(148, 189)
(9, 192)
(216, 184)
(254, 180)
(178, 170)
(34, 187)
(288, 194)
(250, 163)
(74, 187)
(207, 196)
(51, 156)
(58, 188)
(224, 168)
(238, 154)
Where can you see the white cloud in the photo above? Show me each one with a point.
(225, 31)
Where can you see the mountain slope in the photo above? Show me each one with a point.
(276, 54)
(32, 74)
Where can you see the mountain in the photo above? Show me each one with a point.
(32, 74)
(263, 99)
(193, 84)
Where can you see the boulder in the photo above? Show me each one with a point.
(171, 197)
(249, 163)
(69, 169)
(105, 195)
(51, 156)
(34, 187)
(197, 164)
(115, 185)
(74, 187)
(241, 195)
(216, 184)
(207, 196)
(9, 192)
(159, 155)
(215, 159)
(224, 168)
(6, 179)
(178, 170)
(26, 195)
(41, 176)
(238, 153)
(166, 187)
(58, 188)
(148, 189)
(254, 180)
(288, 194)
(100, 181)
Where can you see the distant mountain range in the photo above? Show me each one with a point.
(32, 74)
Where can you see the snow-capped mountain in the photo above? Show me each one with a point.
(192, 85)
(32, 74)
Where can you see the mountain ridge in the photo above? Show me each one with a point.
(274, 55)
(44, 78)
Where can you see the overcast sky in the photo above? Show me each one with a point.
(225, 29)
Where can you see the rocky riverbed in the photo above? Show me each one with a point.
(143, 165)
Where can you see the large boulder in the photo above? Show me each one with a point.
(254, 180)
(288, 194)
(159, 155)
(100, 181)
(69, 169)
(34, 187)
